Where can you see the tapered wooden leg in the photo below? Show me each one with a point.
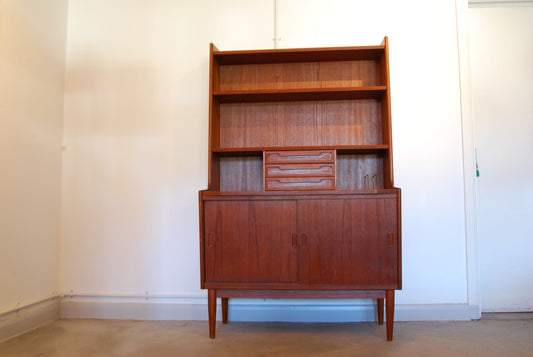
(389, 300)
(224, 310)
(212, 311)
(380, 311)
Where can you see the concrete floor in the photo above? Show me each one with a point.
(494, 335)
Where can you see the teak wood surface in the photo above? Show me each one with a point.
(301, 200)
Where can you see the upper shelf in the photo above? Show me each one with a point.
(299, 55)
(303, 94)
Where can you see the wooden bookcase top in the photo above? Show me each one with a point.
(298, 55)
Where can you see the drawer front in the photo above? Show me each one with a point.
(299, 157)
(299, 170)
(300, 183)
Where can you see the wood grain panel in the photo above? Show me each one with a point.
(313, 123)
(346, 243)
(250, 241)
(269, 124)
(348, 74)
(241, 173)
(299, 75)
(388, 250)
(352, 170)
(351, 122)
(320, 230)
(268, 76)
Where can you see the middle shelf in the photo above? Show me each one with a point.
(341, 149)
(299, 94)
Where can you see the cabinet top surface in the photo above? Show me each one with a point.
(380, 193)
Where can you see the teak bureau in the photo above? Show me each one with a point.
(301, 201)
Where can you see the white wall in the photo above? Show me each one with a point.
(136, 114)
(32, 53)
(502, 78)
(426, 122)
(136, 134)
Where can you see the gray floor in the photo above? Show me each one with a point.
(493, 335)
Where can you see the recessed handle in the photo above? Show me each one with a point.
(391, 239)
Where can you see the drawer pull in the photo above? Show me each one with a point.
(299, 156)
(310, 183)
(300, 170)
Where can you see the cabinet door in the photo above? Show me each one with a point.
(250, 241)
(349, 242)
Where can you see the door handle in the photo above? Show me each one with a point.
(391, 239)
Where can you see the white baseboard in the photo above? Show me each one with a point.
(22, 320)
(255, 310)
(93, 309)
(508, 310)
(29, 317)
(351, 313)
(437, 312)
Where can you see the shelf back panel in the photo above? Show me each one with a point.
(299, 75)
(360, 172)
(241, 173)
(309, 123)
